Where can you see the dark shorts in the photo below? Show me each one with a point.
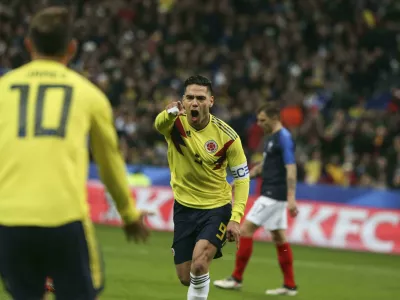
(68, 254)
(192, 225)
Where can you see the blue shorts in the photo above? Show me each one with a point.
(68, 254)
(192, 225)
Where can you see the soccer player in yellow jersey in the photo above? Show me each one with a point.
(200, 146)
(47, 113)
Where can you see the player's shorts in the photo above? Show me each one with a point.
(269, 213)
(192, 225)
(68, 254)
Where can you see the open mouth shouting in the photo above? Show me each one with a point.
(195, 114)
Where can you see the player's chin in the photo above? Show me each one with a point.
(267, 130)
(195, 120)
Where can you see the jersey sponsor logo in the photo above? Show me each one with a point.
(241, 171)
(211, 146)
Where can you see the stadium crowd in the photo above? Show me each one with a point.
(333, 65)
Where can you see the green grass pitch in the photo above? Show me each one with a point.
(146, 272)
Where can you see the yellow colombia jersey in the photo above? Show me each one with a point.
(198, 161)
(47, 113)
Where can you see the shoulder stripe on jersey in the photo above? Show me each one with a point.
(229, 132)
(228, 128)
(225, 131)
(224, 125)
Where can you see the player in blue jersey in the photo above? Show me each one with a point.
(278, 172)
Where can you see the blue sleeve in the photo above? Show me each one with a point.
(288, 148)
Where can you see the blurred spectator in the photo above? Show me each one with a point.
(333, 65)
(313, 168)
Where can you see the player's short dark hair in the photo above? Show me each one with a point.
(51, 31)
(271, 109)
(199, 80)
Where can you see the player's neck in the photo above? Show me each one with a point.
(277, 127)
(62, 59)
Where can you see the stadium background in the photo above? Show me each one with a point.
(332, 65)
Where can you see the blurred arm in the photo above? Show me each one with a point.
(107, 155)
(257, 169)
(291, 181)
(289, 159)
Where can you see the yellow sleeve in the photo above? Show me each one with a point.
(240, 171)
(164, 122)
(104, 144)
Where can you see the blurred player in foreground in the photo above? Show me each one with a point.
(200, 146)
(278, 171)
(47, 113)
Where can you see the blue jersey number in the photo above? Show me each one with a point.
(40, 130)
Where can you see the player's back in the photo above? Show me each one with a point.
(45, 114)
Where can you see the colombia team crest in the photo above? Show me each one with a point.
(211, 146)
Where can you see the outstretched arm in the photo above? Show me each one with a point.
(165, 119)
(104, 144)
(112, 170)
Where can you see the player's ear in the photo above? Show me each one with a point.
(211, 101)
(28, 45)
(72, 49)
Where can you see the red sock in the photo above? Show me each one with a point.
(242, 257)
(285, 258)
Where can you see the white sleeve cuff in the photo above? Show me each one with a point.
(173, 110)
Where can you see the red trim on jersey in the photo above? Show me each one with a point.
(222, 154)
(176, 135)
(179, 126)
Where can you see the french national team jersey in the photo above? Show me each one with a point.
(198, 160)
(279, 151)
